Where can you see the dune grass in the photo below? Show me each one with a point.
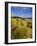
(19, 29)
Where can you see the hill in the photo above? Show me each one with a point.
(21, 28)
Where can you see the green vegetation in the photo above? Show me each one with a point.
(21, 29)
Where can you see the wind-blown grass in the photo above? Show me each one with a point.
(19, 29)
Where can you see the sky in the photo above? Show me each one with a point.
(24, 12)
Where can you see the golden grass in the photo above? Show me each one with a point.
(19, 29)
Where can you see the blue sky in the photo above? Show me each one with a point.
(25, 12)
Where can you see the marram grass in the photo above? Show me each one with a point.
(19, 29)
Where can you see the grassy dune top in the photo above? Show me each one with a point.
(21, 28)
